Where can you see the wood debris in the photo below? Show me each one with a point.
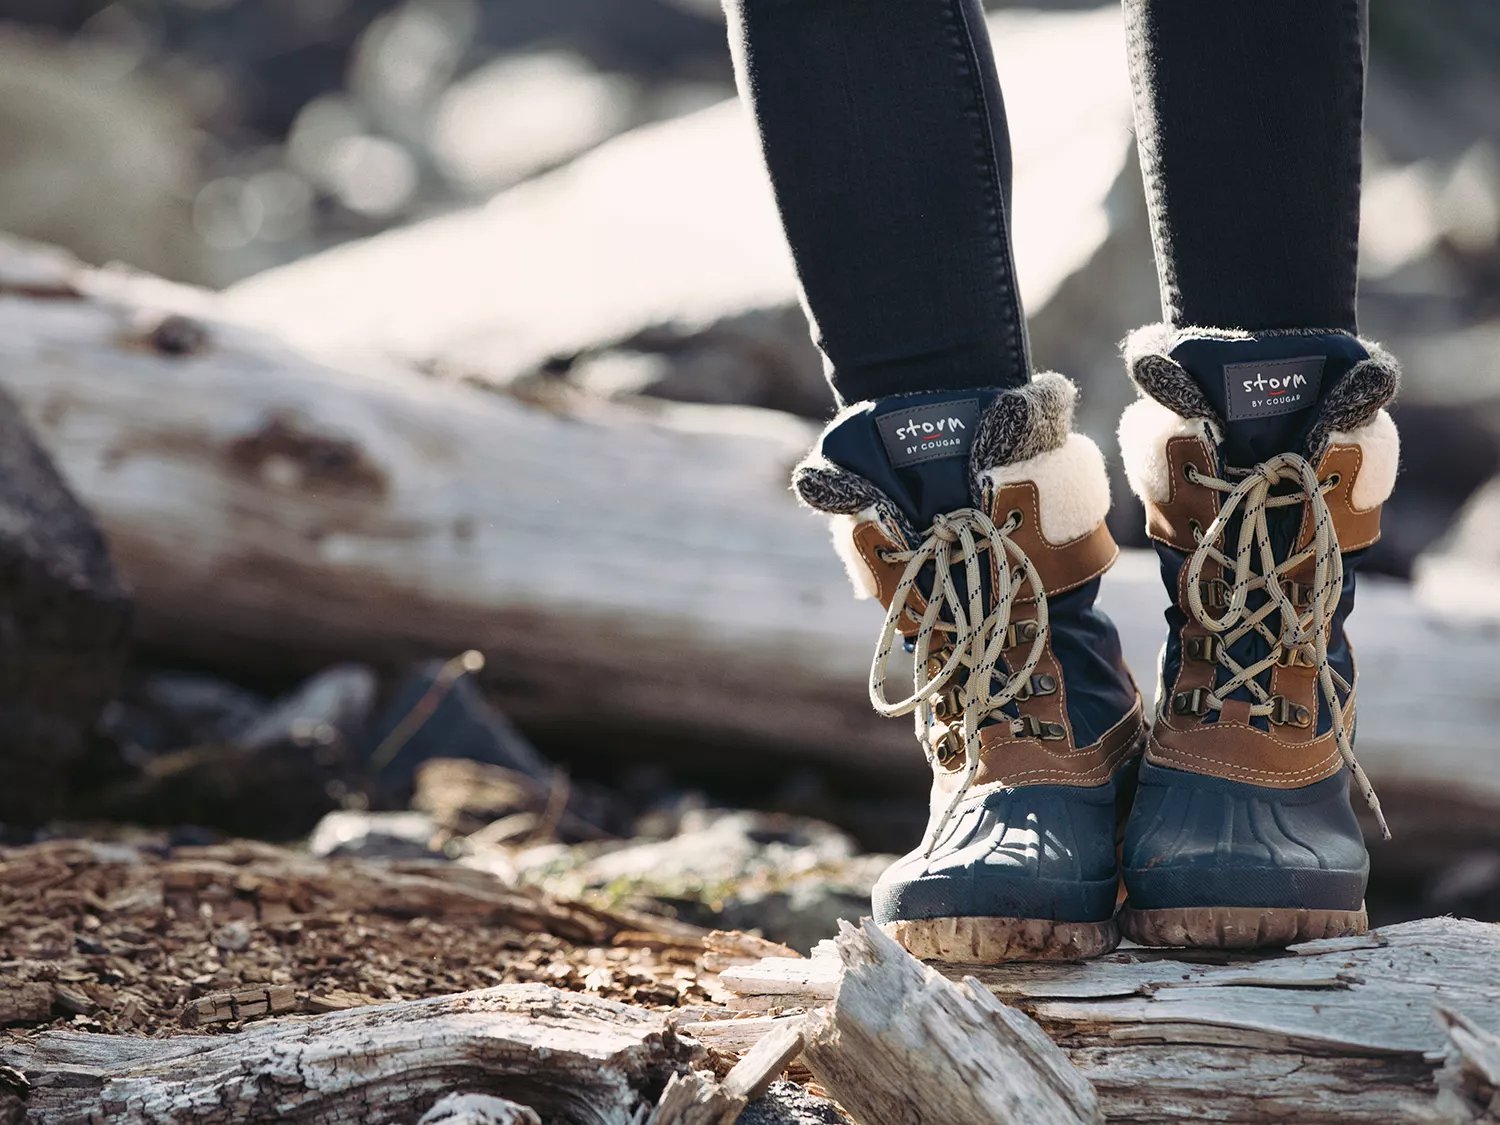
(146, 939)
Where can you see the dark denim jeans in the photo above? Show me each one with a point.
(884, 132)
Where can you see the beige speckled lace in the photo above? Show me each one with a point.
(1302, 636)
(972, 638)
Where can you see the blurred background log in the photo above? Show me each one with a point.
(640, 577)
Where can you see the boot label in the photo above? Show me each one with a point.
(1271, 387)
(926, 433)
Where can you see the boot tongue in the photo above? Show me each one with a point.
(1267, 388)
(914, 448)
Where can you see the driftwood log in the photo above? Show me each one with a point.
(567, 1057)
(637, 579)
(1402, 1025)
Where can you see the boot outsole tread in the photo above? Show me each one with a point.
(1239, 927)
(990, 941)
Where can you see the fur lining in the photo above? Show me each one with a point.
(1024, 422)
(841, 527)
(1145, 428)
(1072, 487)
(1380, 448)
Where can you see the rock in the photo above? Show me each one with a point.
(333, 706)
(64, 626)
(439, 712)
(173, 710)
(195, 750)
(791, 878)
(277, 793)
(376, 835)
(787, 1103)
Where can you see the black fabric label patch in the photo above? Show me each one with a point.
(926, 433)
(1271, 387)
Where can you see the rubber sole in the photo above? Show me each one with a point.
(1239, 927)
(990, 941)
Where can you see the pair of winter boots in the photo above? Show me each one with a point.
(977, 518)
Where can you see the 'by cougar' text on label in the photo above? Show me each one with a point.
(1277, 386)
(925, 433)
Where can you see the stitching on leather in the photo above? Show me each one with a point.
(1182, 757)
(1102, 768)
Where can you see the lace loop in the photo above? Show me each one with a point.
(974, 637)
(1300, 638)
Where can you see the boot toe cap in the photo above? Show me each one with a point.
(1037, 852)
(1204, 841)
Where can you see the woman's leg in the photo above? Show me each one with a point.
(884, 134)
(1249, 115)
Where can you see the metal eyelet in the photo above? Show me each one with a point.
(1030, 726)
(1215, 593)
(1190, 473)
(1197, 529)
(945, 747)
(1206, 648)
(1298, 593)
(1038, 685)
(1018, 633)
(947, 705)
(1285, 713)
(1333, 480)
(1296, 657)
(1193, 702)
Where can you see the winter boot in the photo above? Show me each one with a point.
(1263, 461)
(976, 518)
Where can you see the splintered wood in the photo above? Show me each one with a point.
(902, 1043)
(145, 939)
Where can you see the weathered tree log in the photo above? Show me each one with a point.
(901, 1043)
(1402, 1025)
(570, 1058)
(644, 578)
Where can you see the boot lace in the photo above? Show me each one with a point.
(960, 671)
(1291, 634)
